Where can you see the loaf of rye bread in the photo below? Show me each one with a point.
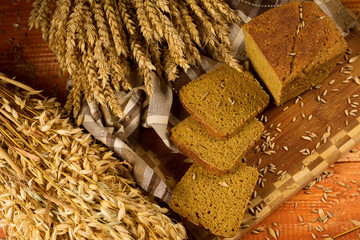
(218, 203)
(216, 155)
(223, 100)
(293, 47)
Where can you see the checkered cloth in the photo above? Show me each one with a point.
(120, 135)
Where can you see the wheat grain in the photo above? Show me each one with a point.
(71, 56)
(227, 13)
(101, 38)
(170, 66)
(101, 24)
(191, 52)
(116, 28)
(40, 17)
(175, 42)
(189, 23)
(145, 17)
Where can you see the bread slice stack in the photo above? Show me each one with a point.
(221, 128)
(223, 100)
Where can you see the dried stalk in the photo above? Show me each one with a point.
(57, 182)
(101, 39)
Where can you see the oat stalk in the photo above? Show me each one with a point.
(346, 232)
(63, 184)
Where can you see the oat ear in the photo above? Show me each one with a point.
(67, 177)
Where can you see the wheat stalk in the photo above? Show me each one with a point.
(189, 23)
(40, 17)
(116, 28)
(170, 67)
(226, 11)
(104, 38)
(57, 31)
(191, 52)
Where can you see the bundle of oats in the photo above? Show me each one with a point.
(56, 182)
(99, 41)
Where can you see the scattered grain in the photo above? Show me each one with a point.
(353, 59)
(272, 233)
(317, 86)
(224, 184)
(341, 184)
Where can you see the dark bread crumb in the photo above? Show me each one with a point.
(216, 155)
(223, 100)
(218, 203)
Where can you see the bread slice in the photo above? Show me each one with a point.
(223, 100)
(216, 155)
(293, 47)
(217, 203)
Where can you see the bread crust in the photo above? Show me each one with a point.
(284, 51)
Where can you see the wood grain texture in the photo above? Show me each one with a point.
(343, 208)
(21, 48)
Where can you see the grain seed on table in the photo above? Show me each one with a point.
(353, 59)
(272, 233)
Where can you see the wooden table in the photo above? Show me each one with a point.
(343, 209)
(14, 35)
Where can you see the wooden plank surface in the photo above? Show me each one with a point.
(48, 78)
(22, 50)
(343, 208)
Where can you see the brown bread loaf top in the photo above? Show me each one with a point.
(293, 47)
(223, 100)
(216, 155)
(218, 203)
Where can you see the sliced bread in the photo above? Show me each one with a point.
(217, 203)
(223, 100)
(216, 155)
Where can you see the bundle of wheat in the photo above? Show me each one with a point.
(97, 40)
(56, 182)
